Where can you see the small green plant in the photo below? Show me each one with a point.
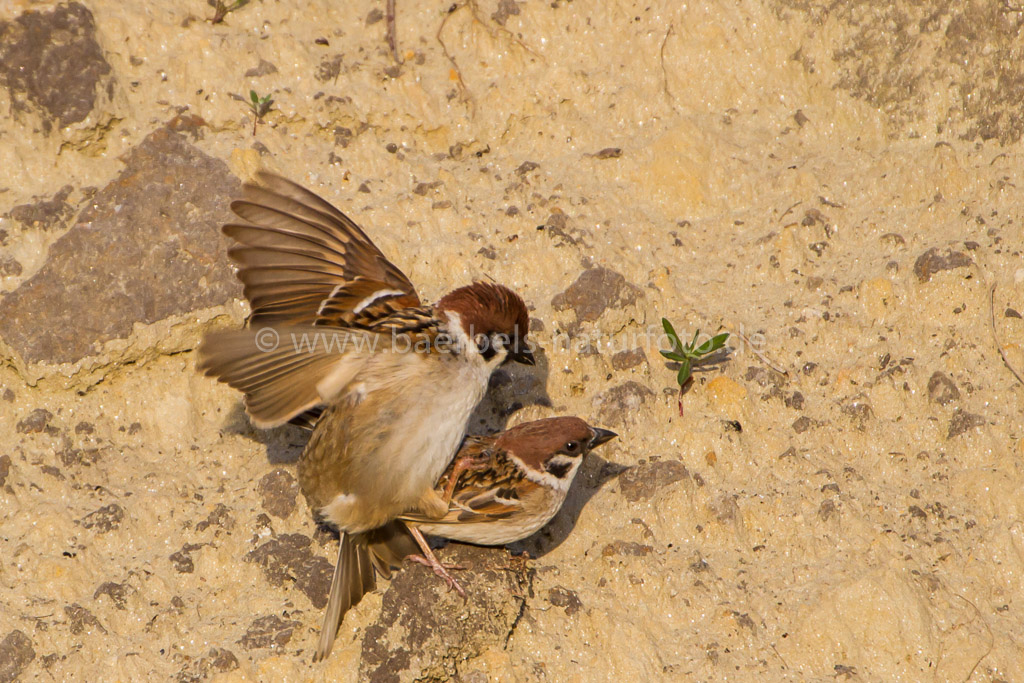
(259, 106)
(687, 354)
(221, 8)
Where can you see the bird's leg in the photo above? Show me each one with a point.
(429, 559)
(465, 463)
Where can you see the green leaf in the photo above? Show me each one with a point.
(720, 339)
(694, 342)
(254, 97)
(672, 336)
(684, 374)
(673, 356)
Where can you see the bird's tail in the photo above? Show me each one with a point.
(381, 549)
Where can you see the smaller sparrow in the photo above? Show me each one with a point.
(499, 489)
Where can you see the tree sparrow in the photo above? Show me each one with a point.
(501, 489)
(337, 338)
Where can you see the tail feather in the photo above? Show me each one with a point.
(380, 549)
(353, 578)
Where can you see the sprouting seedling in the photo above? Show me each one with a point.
(686, 354)
(259, 106)
(221, 8)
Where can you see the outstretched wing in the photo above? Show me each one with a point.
(303, 262)
(285, 372)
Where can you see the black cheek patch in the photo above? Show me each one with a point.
(559, 469)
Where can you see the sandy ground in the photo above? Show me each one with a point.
(840, 499)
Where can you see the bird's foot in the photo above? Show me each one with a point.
(441, 569)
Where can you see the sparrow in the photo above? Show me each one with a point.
(500, 489)
(338, 341)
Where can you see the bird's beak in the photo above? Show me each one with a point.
(601, 436)
(522, 355)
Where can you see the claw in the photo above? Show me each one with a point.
(429, 559)
(441, 570)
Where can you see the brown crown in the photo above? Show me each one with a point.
(487, 308)
(535, 442)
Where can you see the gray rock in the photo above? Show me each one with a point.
(278, 491)
(594, 292)
(425, 633)
(962, 421)
(107, 518)
(643, 481)
(51, 61)
(624, 360)
(941, 389)
(289, 557)
(45, 214)
(16, 653)
(117, 592)
(934, 261)
(147, 247)
(182, 560)
(566, 599)
(81, 620)
(34, 422)
(271, 631)
(617, 405)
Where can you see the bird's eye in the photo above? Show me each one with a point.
(488, 349)
(572, 446)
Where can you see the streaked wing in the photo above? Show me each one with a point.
(297, 253)
(476, 501)
(305, 367)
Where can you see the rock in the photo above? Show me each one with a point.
(117, 592)
(624, 360)
(426, 633)
(5, 468)
(264, 68)
(34, 422)
(217, 660)
(289, 557)
(802, 424)
(627, 548)
(643, 481)
(182, 560)
(609, 153)
(618, 404)
(16, 653)
(506, 9)
(526, 167)
(962, 421)
(595, 291)
(81, 620)
(45, 214)
(566, 599)
(941, 389)
(147, 247)
(278, 491)
(271, 631)
(859, 411)
(107, 518)
(220, 517)
(558, 228)
(10, 266)
(934, 261)
(52, 61)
